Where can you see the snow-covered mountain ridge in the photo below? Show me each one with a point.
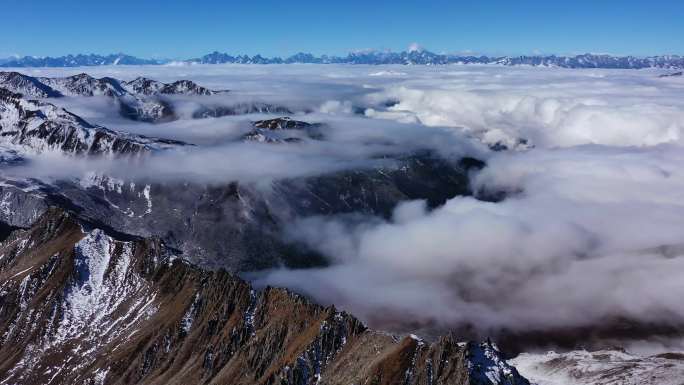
(39, 126)
(422, 57)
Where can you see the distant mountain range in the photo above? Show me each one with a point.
(77, 61)
(418, 57)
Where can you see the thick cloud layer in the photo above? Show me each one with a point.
(550, 107)
(220, 155)
(589, 234)
(592, 227)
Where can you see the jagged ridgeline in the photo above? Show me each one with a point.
(416, 56)
(79, 306)
(140, 99)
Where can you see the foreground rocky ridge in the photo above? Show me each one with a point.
(80, 306)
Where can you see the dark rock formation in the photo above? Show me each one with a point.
(149, 87)
(237, 226)
(240, 109)
(283, 130)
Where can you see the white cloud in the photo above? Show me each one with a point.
(593, 227)
(583, 242)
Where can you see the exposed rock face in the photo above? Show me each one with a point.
(84, 85)
(240, 109)
(151, 110)
(79, 306)
(149, 87)
(27, 85)
(40, 126)
(235, 225)
(131, 105)
(604, 367)
(20, 203)
(284, 123)
(141, 99)
(283, 130)
(238, 226)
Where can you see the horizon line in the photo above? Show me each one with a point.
(465, 53)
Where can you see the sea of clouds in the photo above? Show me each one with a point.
(592, 229)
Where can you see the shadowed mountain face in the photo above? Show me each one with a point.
(234, 225)
(144, 86)
(80, 306)
(238, 226)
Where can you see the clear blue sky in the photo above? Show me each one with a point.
(183, 28)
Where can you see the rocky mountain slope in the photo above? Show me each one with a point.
(38, 126)
(140, 99)
(78, 305)
(27, 85)
(149, 87)
(282, 130)
(137, 100)
(237, 226)
(410, 57)
(93, 289)
(604, 367)
(233, 225)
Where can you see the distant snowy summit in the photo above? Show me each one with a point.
(417, 57)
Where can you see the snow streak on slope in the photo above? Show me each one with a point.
(102, 302)
(97, 293)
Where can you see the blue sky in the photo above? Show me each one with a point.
(182, 29)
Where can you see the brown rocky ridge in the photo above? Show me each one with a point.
(80, 306)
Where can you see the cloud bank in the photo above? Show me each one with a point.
(592, 228)
(593, 234)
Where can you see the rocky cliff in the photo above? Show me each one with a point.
(78, 305)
